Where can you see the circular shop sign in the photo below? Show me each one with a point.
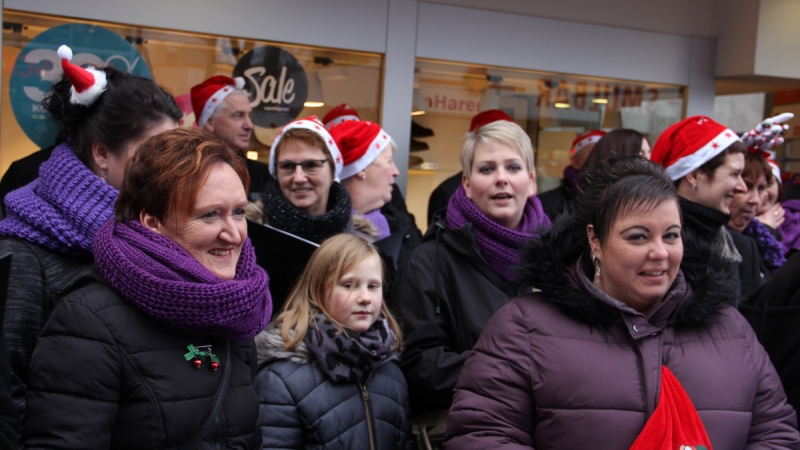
(276, 84)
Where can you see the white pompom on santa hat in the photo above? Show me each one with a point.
(87, 84)
(209, 94)
(313, 124)
(690, 143)
(360, 143)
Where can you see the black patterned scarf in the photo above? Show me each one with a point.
(347, 357)
(281, 214)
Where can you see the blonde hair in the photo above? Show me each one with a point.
(501, 131)
(329, 263)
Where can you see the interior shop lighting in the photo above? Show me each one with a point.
(252, 155)
(600, 101)
(561, 105)
(314, 99)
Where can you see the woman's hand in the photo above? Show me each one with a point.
(773, 217)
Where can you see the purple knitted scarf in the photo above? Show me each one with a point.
(63, 208)
(165, 282)
(379, 220)
(499, 246)
(790, 228)
(768, 245)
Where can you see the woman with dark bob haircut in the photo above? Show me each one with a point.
(52, 221)
(626, 342)
(156, 349)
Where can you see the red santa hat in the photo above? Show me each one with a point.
(339, 114)
(485, 118)
(208, 95)
(313, 124)
(360, 143)
(690, 143)
(586, 139)
(87, 84)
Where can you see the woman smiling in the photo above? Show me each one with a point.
(706, 161)
(626, 343)
(175, 273)
(306, 198)
(462, 272)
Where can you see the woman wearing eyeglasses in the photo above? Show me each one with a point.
(305, 198)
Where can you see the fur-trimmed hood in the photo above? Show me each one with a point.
(546, 262)
(269, 347)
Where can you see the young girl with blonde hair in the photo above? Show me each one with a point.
(328, 377)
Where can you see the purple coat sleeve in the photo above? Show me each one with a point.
(774, 423)
(493, 405)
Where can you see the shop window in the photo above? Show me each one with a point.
(176, 61)
(552, 108)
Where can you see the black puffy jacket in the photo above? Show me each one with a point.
(105, 375)
(301, 407)
(444, 295)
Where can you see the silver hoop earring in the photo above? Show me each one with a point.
(103, 174)
(694, 187)
(363, 176)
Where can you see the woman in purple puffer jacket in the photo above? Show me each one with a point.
(626, 343)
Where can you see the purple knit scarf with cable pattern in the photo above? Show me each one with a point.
(63, 208)
(165, 282)
(499, 246)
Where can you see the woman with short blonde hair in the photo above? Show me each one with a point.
(464, 270)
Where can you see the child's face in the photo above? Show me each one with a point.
(357, 297)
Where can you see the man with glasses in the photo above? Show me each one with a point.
(223, 109)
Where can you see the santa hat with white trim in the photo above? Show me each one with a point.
(339, 114)
(690, 143)
(209, 94)
(586, 139)
(87, 83)
(313, 124)
(360, 143)
(485, 118)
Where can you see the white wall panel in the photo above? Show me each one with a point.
(353, 24)
(485, 37)
(398, 81)
(702, 84)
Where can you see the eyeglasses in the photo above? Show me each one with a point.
(310, 166)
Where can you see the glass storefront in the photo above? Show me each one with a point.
(284, 81)
(552, 108)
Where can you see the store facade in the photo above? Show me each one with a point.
(387, 59)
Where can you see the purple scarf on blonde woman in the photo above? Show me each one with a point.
(499, 246)
(165, 282)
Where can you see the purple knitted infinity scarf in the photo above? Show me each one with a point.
(63, 208)
(768, 245)
(499, 246)
(379, 220)
(165, 282)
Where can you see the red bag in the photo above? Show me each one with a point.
(675, 424)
